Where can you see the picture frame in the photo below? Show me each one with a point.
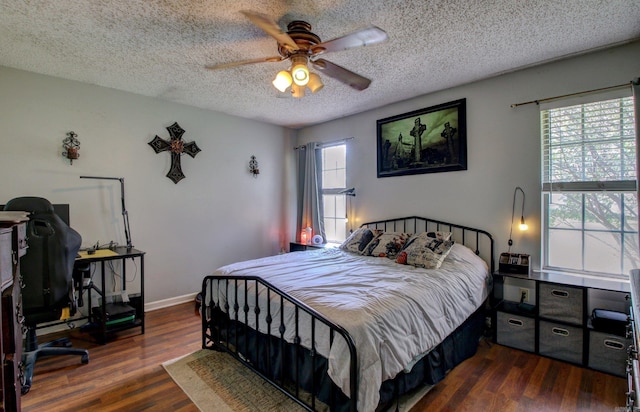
(429, 140)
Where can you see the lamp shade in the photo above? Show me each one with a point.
(282, 80)
(315, 83)
(300, 74)
(297, 91)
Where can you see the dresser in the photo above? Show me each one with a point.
(12, 246)
(633, 366)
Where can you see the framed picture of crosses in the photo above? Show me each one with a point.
(423, 141)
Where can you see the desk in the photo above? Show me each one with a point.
(102, 257)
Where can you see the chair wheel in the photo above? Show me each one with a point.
(85, 359)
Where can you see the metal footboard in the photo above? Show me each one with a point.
(256, 323)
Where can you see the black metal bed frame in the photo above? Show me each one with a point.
(226, 328)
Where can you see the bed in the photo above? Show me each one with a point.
(354, 327)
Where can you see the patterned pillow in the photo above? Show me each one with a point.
(425, 252)
(358, 240)
(436, 235)
(387, 244)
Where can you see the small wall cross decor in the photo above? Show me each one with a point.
(177, 148)
(253, 166)
(71, 145)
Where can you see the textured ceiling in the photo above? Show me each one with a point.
(159, 48)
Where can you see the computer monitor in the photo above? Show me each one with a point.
(62, 210)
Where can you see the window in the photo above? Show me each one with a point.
(590, 203)
(334, 180)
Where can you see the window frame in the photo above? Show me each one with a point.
(584, 188)
(334, 191)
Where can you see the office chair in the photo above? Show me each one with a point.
(47, 270)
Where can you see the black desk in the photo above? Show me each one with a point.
(102, 257)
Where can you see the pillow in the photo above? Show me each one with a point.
(358, 240)
(425, 252)
(387, 244)
(436, 235)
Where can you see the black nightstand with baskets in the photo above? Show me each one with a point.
(570, 318)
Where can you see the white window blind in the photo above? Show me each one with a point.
(590, 221)
(334, 181)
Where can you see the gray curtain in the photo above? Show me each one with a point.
(310, 205)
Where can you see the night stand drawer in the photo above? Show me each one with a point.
(608, 353)
(516, 331)
(561, 342)
(561, 302)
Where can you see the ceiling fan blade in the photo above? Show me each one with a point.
(271, 28)
(364, 37)
(243, 62)
(341, 74)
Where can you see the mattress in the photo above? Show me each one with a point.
(394, 313)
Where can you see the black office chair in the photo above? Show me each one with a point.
(47, 270)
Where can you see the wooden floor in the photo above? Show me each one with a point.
(126, 375)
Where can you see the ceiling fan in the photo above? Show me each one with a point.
(301, 47)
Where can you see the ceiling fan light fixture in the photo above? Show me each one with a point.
(282, 80)
(297, 91)
(299, 70)
(300, 74)
(315, 83)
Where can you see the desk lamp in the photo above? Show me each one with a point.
(523, 225)
(125, 214)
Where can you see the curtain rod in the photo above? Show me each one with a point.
(331, 143)
(620, 86)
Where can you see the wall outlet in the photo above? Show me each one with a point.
(524, 295)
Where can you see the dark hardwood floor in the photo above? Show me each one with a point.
(498, 378)
(126, 375)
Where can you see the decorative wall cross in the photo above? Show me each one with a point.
(177, 148)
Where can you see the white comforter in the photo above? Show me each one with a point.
(394, 313)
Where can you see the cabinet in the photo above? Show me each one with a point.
(550, 314)
(12, 247)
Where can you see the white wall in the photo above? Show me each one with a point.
(503, 148)
(219, 214)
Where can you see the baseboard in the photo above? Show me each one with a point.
(148, 307)
(165, 303)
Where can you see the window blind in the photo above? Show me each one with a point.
(589, 147)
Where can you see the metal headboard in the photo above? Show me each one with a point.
(478, 240)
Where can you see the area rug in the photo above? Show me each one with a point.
(217, 382)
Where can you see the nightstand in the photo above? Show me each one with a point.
(554, 318)
(300, 247)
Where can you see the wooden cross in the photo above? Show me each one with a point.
(177, 147)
